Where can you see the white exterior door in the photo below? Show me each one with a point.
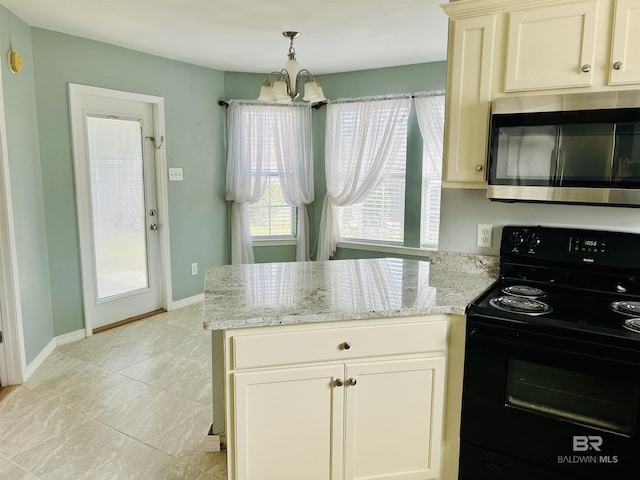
(114, 160)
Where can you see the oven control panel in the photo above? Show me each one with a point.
(587, 245)
(571, 246)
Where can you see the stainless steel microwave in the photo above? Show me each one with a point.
(578, 148)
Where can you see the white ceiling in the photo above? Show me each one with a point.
(246, 35)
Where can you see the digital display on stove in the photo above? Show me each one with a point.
(587, 245)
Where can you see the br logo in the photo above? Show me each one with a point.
(583, 443)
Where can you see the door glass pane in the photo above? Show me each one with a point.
(118, 209)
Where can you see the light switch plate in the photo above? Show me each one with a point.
(175, 174)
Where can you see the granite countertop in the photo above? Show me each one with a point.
(240, 296)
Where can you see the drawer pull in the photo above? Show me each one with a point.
(479, 168)
(617, 66)
(339, 382)
(586, 68)
(352, 381)
(346, 345)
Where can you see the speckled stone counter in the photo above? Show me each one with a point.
(240, 296)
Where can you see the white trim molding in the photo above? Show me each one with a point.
(51, 346)
(185, 302)
(398, 250)
(13, 365)
(162, 194)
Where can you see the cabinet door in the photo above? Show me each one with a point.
(551, 47)
(393, 426)
(625, 51)
(288, 424)
(471, 47)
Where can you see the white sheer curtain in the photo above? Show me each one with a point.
(430, 113)
(293, 148)
(360, 140)
(257, 131)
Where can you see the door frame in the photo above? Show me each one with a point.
(82, 190)
(13, 363)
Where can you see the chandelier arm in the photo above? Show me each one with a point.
(302, 74)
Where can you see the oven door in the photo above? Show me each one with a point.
(540, 406)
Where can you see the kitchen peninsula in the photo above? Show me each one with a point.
(340, 369)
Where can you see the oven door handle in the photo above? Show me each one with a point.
(478, 333)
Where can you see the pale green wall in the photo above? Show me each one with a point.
(26, 186)
(404, 79)
(194, 129)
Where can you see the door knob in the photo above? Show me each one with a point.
(586, 68)
(617, 66)
(153, 212)
(339, 382)
(352, 381)
(153, 226)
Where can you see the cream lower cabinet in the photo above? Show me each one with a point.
(288, 424)
(365, 417)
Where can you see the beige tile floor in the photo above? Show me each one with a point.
(133, 402)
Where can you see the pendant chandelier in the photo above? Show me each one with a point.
(289, 80)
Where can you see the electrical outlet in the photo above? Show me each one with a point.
(175, 174)
(194, 268)
(484, 236)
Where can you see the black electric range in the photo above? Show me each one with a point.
(552, 366)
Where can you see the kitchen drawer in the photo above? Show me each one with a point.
(327, 344)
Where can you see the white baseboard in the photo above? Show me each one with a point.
(51, 346)
(185, 302)
(71, 337)
(40, 358)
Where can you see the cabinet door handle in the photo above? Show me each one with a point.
(617, 66)
(339, 382)
(345, 345)
(352, 381)
(479, 168)
(586, 68)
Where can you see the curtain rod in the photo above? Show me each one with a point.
(315, 106)
(319, 105)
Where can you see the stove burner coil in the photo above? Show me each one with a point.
(524, 291)
(523, 305)
(628, 308)
(632, 324)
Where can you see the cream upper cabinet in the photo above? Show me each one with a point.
(551, 46)
(469, 86)
(625, 47)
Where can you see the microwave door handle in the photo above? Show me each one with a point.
(560, 174)
(559, 153)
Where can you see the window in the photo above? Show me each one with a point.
(271, 217)
(379, 218)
